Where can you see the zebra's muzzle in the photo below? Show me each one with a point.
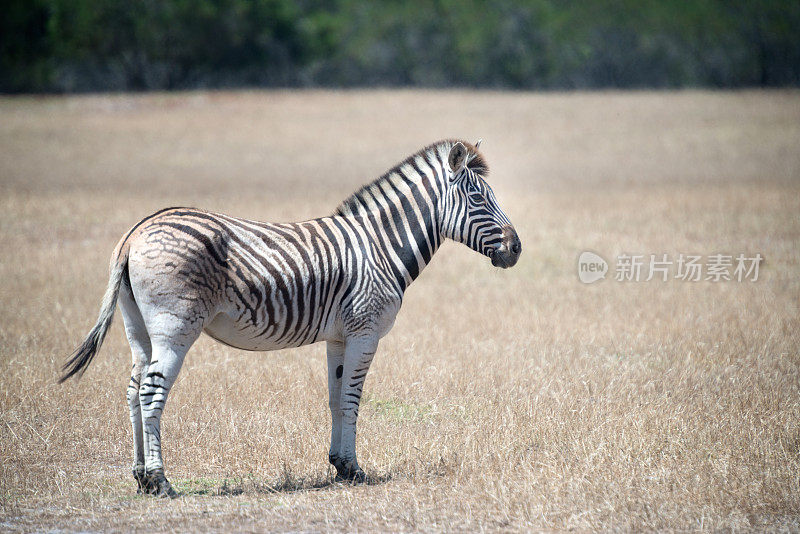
(507, 254)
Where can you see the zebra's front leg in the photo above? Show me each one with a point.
(358, 354)
(335, 351)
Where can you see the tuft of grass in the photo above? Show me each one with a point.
(396, 409)
(198, 486)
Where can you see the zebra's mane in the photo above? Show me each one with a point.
(439, 151)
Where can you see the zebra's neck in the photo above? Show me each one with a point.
(403, 209)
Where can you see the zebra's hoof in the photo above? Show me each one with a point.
(141, 479)
(356, 476)
(157, 484)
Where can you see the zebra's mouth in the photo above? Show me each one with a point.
(507, 254)
(496, 255)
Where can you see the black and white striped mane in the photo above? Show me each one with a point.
(476, 163)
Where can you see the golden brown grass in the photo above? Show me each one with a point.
(502, 400)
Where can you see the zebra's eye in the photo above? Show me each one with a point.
(477, 198)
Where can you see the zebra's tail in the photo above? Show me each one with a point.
(83, 355)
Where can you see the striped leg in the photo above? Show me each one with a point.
(168, 355)
(335, 369)
(140, 352)
(358, 355)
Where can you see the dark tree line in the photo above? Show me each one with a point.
(100, 45)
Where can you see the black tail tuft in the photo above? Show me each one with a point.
(82, 357)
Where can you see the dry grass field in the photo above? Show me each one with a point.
(509, 400)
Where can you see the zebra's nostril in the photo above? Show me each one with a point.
(516, 248)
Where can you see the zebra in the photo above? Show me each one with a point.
(267, 286)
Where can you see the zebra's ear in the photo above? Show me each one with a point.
(458, 157)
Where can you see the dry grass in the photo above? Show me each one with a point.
(502, 400)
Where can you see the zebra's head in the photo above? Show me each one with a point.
(471, 213)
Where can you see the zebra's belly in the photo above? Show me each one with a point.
(248, 337)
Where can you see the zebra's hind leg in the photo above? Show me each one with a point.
(169, 350)
(139, 341)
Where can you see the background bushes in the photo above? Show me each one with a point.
(101, 45)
